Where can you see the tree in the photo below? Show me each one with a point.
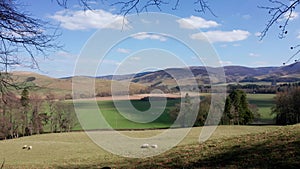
(237, 109)
(66, 117)
(22, 35)
(10, 117)
(25, 109)
(203, 111)
(287, 108)
(38, 118)
(182, 112)
(51, 104)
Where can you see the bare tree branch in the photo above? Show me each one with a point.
(281, 13)
(138, 6)
(22, 36)
(203, 6)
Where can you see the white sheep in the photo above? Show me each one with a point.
(154, 145)
(145, 146)
(24, 147)
(29, 148)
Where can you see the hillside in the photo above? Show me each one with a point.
(141, 81)
(229, 147)
(289, 73)
(63, 87)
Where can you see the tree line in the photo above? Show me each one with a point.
(287, 106)
(30, 114)
(237, 110)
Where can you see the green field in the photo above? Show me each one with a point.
(264, 102)
(118, 121)
(229, 147)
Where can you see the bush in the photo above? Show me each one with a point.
(287, 106)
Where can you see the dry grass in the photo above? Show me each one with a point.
(229, 147)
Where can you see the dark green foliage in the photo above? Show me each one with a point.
(287, 106)
(182, 112)
(237, 110)
(25, 97)
(203, 111)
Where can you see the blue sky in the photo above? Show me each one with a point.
(232, 33)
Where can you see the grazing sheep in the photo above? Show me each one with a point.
(29, 148)
(24, 147)
(154, 145)
(145, 146)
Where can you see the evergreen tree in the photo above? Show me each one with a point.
(237, 109)
(25, 108)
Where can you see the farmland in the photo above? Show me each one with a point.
(229, 147)
(264, 102)
(117, 121)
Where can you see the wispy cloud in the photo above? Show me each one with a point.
(194, 22)
(65, 54)
(222, 36)
(225, 63)
(291, 16)
(96, 19)
(254, 54)
(257, 34)
(123, 50)
(111, 62)
(145, 35)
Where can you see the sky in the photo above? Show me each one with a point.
(232, 36)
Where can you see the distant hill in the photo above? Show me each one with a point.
(289, 73)
(62, 87)
(139, 82)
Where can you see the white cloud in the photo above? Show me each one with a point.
(257, 34)
(145, 35)
(96, 19)
(292, 16)
(225, 63)
(111, 62)
(222, 36)
(254, 54)
(122, 50)
(65, 54)
(194, 22)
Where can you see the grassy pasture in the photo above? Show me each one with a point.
(229, 147)
(116, 120)
(264, 103)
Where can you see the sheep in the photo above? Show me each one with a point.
(145, 146)
(24, 147)
(154, 145)
(29, 148)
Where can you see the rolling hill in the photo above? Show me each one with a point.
(289, 73)
(62, 87)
